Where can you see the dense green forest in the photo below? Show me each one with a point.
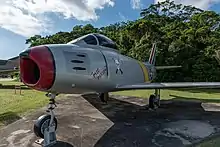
(185, 36)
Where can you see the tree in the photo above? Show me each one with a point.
(185, 36)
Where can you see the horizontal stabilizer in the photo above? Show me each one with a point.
(166, 67)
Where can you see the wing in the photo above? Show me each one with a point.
(169, 85)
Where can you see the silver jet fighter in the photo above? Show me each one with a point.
(90, 63)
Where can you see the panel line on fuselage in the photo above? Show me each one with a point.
(145, 71)
(105, 63)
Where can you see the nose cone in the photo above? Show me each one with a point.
(37, 68)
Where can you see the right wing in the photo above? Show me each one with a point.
(169, 85)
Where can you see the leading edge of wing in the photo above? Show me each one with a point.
(169, 85)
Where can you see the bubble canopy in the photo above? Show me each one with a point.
(95, 39)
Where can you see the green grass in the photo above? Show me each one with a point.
(14, 82)
(214, 142)
(13, 106)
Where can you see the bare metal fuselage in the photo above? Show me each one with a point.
(84, 69)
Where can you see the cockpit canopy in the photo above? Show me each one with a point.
(95, 39)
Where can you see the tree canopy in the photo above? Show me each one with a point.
(185, 36)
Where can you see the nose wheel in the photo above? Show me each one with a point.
(154, 100)
(43, 123)
(46, 125)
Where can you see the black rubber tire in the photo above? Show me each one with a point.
(103, 98)
(38, 124)
(151, 101)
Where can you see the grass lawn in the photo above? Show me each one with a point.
(13, 106)
(214, 142)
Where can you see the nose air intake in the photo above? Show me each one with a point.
(37, 68)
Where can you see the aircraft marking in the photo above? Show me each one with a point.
(99, 72)
(145, 72)
(118, 64)
(151, 74)
(152, 55)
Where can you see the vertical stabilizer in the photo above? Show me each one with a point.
(152, 58)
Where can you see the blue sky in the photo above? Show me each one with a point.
(20, 19)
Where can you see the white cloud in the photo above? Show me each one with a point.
(202, 4)
(135, 4)
(122, 16)
(28, 17)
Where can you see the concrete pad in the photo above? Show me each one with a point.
(83, 121)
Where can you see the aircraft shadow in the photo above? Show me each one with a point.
(62, 144)
(135, 125)
(8, 117)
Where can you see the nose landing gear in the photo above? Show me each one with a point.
(154, 100)
(46, 125)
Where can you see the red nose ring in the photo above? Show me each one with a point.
(37, 68)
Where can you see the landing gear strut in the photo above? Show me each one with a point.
(104, 97)
(46, 125)
(154, 100)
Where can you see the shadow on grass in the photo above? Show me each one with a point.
(197, 90)
(8, 117)
(12, 87)
(186, 99)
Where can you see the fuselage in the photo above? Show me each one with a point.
(97, 69)
(90, 63)
(80, 69)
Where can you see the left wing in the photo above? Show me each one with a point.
(169, 85)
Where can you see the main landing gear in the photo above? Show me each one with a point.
(46, 125)
(154, 99)
(104, 97)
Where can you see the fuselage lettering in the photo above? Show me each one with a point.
(99, 72)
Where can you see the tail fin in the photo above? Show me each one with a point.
(152, 58)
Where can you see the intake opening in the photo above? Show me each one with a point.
(30, 71)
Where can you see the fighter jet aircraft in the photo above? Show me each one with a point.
(90, 63)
